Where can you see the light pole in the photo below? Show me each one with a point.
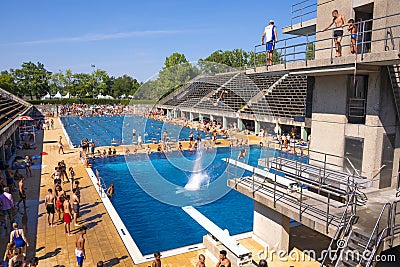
(93, 66)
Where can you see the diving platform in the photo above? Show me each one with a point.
(220, 239)
(285, 195)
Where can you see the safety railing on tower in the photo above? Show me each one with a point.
(302, 11)
(370, 38)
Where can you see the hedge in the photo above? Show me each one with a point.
(93, 101)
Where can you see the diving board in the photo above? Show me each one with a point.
(228, 241)
(281, 180)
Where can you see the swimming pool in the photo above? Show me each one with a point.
(151, 208)
(103, 129)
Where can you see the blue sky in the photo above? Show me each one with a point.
(129, 37)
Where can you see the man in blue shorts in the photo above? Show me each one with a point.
(80, 246)
(271, 37)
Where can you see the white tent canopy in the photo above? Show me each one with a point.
(58, 95)
(66, 96)
(47, 96)
(100, 96)
(108, 97)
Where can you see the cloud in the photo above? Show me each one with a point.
(99, 37)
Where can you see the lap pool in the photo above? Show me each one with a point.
(103, 129)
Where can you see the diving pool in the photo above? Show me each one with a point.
(150, 194)
(103, 129)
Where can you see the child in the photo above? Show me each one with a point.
(352, 28)
(9, 253)
(71, 176)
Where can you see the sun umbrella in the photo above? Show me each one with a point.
(25, 118)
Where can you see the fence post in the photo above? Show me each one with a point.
(306, 48)
(255, 64)
(285, 53)
(362, 39)
(332, 47)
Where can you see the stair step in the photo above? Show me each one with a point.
(361, 233)
(356, 247)
(349, 262)
(361, 241)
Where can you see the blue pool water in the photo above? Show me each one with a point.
(151, 208)
(103, 129)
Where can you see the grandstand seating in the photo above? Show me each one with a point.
(287, 99)
(281, 95)
(9, 109)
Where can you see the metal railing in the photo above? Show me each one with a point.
(304, 48)
(327, 198)
(302, 11)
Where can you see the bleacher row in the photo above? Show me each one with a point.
(282, 95)
(9, 110)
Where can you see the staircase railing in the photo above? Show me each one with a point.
(377, 235)
(395, 86)
(344, 226)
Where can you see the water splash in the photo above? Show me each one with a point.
(199, 178)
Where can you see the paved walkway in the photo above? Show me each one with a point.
(50, 244)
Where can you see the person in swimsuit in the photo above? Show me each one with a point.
(201, 262)
(60, 146)
(49, 201)
(71, 176)
(28, 163)
(21, 192)
(18, 237)
(67, 216)
(352, 28)
(339, 20)
(9, 178)
(18, 259)
(157, 260)
(75, 206)
(110, 191)
(60, 197)
(223, 260)
(80, 246)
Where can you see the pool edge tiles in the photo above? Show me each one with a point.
(126, 237)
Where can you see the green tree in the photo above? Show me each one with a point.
(124, 85)
(7, 82)
(32, 79)
(174, 59)
(310, 54)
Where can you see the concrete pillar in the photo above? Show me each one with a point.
(257, 126)
(303, 134)
(224, 122)
(168, 112)
(174, 114)
(211, 117)
(182, 114)
(271, 227)
(240, 124)
(200, 117)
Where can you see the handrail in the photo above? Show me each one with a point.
(339, 233)
(376, 229)
(287, 51)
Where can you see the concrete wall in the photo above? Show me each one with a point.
(271, 227)
(328, 118)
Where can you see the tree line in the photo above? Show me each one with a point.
(34, 80)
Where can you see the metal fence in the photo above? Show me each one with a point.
(304, 48)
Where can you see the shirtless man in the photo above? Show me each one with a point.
(157, 260)
(339, 20)
(75, 206)
(50, 201)
(80, 246)
(60, 196)
(67, 216)
(201, 262)
(21, 192)
(223, 260)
